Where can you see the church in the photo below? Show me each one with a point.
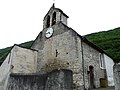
(59, 58)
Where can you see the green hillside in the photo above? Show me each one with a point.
(5, 51)
(109, 41)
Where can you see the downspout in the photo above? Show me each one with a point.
(83, 64)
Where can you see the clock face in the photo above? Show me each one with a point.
(49, 33)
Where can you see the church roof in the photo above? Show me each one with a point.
(94, 46)
(84, 39)
(53, 8)
(62, 12)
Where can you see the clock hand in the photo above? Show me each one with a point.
(48, 33)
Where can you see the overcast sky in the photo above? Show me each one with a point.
(22, 20)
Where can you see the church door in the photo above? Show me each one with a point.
(91, 76)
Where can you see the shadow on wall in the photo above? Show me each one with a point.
(55, 80)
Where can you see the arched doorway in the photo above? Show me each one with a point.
(91, 78)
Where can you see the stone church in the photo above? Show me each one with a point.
(59, 58)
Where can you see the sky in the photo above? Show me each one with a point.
(22, 20)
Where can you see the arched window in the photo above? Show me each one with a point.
(101, 59)
(48, 22)
(54, 18)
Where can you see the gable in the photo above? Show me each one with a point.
(58, 29)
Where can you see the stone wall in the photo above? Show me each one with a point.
(55, 80)
(5, 69)
(91, 58)
(61, 51)
(26, 82)
(23, 60)
(19, 60)
(116, 71)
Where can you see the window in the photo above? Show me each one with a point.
(54, 18)
(101, 61)
(48, 22)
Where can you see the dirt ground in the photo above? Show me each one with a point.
(108, 88)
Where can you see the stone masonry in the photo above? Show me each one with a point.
(116, 70)
(63, 50)
(55, 80)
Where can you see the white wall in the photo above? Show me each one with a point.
(109, 69)
(24, 60)
(5, 70)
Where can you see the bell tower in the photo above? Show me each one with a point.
(53, 16)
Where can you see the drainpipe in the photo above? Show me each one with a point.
(83, 63)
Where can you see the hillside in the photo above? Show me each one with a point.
(109, 41)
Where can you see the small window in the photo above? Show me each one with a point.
(101, 61)
(54, 18)
(48, 22)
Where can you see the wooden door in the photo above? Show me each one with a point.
(91, 76)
